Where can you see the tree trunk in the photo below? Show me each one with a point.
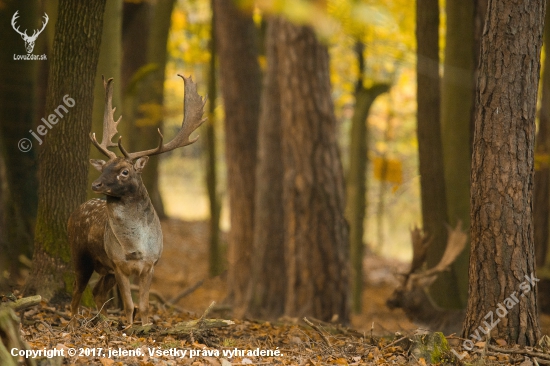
(430, 150)
(268, 280)
(150, 97)
(502, 257)
(64, 155)
(17, 117)
(457, 95)
(541, 204)
(316, 242)
(144, 32)
(356, 187)
(214, 253)
(240, 86)
(108, 65)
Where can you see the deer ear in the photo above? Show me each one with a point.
(98, 164)
(140, 163)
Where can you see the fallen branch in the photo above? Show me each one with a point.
(524, 352)
(198, 328)
(188, 291)
(10, 339)
(23, 303)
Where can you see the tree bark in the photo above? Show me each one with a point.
(64, 155)
(457, 96)
(241, 87)
(430, 150)
(268, 280)
(316, 242)
(502, 252)
(17, 117)
(541, 204)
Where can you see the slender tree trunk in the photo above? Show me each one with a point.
(215, 260)
(268, 279)
(110, 56)
(64, 155)
(240, 86)
(316, 242)
(150, 97)
(430, 150)
(356, 187)
(541, 203)
(457, 95)
(17, 117)
(502, 257)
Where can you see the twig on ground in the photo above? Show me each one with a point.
(521, 352)
(394, 342)
(319, 331)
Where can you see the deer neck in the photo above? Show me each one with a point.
(131, 210)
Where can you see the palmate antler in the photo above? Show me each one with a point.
(456, 241)
(109, 123)
(193, 110)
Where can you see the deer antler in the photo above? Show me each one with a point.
(193, 105)
(109, 123)
(24, 34)
(13, 19)
(456, 242)
(37, 32)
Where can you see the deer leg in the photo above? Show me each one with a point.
(83, 272)
(123, 282)
(101, 289)
(144, 285)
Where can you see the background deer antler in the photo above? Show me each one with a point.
(456, 241)
(109, 123)
(193, 105)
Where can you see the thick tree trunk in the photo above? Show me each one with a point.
(64, 155)
(17, 117)
(430, 150)
(268, 280)
(316, 242)
(502, 257)
(541, 203)
(457, 96)
(241, 87)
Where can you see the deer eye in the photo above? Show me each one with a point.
(125, 172)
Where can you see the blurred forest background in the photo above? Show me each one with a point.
(392, 138)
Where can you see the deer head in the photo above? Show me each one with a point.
(118, 174)
(29, 40)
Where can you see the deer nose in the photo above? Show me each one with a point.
(96, 186)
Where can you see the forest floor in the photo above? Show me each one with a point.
(378, 336)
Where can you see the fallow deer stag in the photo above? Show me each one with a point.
(121, 236)
(412, 294)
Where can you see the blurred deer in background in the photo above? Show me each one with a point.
(122, 236)
(412, 294)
